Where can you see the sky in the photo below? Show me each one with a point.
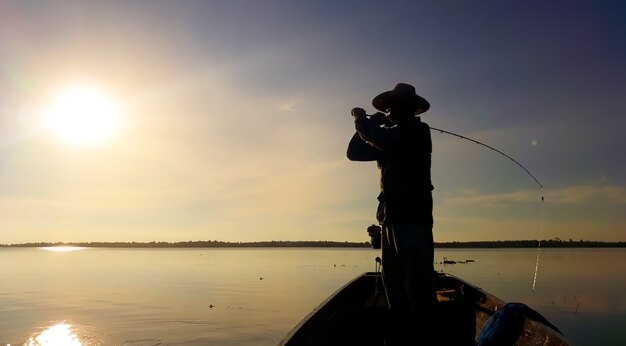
(233, 117)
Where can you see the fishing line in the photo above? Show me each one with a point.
(528, 172)
(538, 244)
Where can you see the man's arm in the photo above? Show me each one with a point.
(369, 129)
(359, 150)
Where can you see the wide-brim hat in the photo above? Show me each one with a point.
(402, 93)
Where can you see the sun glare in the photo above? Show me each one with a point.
(62, 248)
(56, 335)
(83, 116)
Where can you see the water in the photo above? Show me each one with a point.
(255, 296)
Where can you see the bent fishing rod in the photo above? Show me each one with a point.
(528, 172)
(385, 122)
(492, 148)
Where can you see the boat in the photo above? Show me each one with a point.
(357, 314)
(447, 261)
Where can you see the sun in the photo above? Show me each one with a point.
(83, 116)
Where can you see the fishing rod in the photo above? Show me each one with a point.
(383, 120)
(527, 171)
(494, 149)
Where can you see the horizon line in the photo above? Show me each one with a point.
(530, 243)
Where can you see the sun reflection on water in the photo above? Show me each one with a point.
(62, 248)
(60, 334)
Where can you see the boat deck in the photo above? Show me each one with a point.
(357, 314)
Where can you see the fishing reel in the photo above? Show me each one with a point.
(378, 118)
(375, 233)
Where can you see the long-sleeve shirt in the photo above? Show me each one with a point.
(403, 154)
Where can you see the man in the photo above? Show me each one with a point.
(402, 146)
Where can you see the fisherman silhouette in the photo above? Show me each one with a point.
(401, 145)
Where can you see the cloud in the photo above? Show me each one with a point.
(288, 106)
(576, 194)
(476, 198)
(476, 227)
(580, 194)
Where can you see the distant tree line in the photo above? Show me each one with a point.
(549, 243)
(197, 244)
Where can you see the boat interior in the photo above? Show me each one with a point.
(357, 314)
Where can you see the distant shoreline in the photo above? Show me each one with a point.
(551, 243)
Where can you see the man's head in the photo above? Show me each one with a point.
(401, 102)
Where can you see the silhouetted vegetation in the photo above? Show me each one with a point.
(199, 244)
(550, 243)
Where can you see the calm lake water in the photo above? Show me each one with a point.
(255, 296)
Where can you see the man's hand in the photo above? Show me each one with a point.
(358, 112)
(379, 118)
